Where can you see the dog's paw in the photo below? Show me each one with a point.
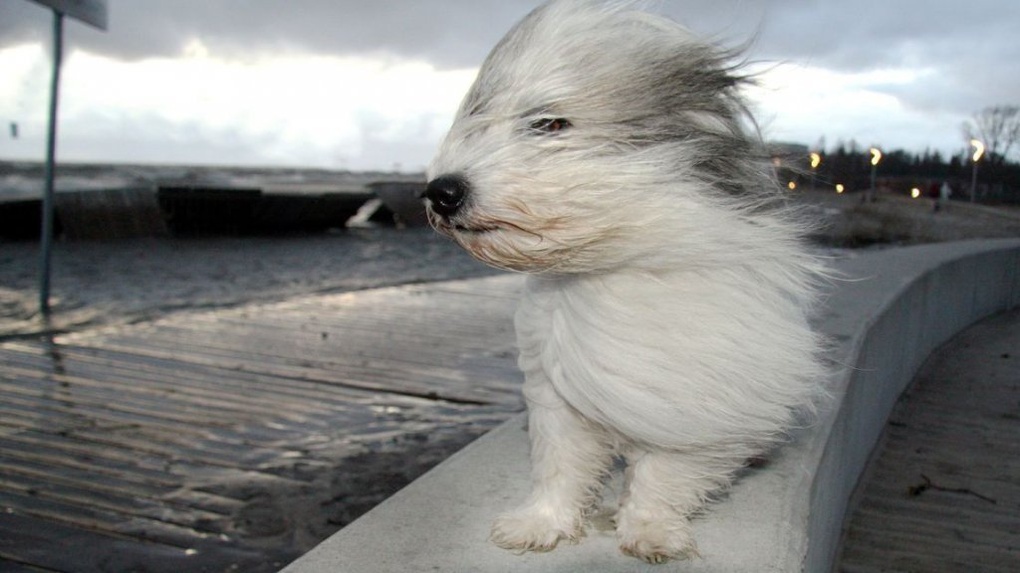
(533, 530)
(656, 541)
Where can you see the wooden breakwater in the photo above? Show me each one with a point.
(185, 209)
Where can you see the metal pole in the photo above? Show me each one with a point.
(871, 190)
(51, 146)
(973, 182)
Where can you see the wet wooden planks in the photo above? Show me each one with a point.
(139, 447)
(943, 494)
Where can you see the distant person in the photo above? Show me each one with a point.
(945, 192)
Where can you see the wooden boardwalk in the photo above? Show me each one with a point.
(943, 493)
(205, 440)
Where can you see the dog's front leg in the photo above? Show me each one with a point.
(569, 457)
(663, 489)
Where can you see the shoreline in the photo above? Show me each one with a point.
(125, 281)
(136, 280)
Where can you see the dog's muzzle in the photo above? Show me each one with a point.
(447, 194)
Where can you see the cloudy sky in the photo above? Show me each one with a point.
(373, 84)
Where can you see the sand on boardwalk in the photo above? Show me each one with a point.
(100, 284)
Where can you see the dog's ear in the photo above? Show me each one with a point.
(695, 78)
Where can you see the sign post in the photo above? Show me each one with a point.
(92, 12)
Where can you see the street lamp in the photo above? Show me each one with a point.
(876, 156)
(979, 150)
(816, 160)
(93, 13)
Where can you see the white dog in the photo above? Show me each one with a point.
(603, 151)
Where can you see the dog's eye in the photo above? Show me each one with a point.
(550, 124)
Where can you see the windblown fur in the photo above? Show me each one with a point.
(607, 152)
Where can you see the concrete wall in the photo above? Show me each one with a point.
(885, 317)
(907, 303)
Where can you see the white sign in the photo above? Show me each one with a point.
(91, 12)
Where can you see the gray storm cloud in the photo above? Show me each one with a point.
(955, 57)
(963, 38)
(867, 34)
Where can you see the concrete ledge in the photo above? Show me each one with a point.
(894, 308)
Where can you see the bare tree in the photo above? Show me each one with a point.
(998, 127)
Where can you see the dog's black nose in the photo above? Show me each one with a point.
(447, 193)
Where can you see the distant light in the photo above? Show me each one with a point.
(876, 155)
(979, 149)
(840, 188)
(816, 160)
(792, 185)
(915, 192)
